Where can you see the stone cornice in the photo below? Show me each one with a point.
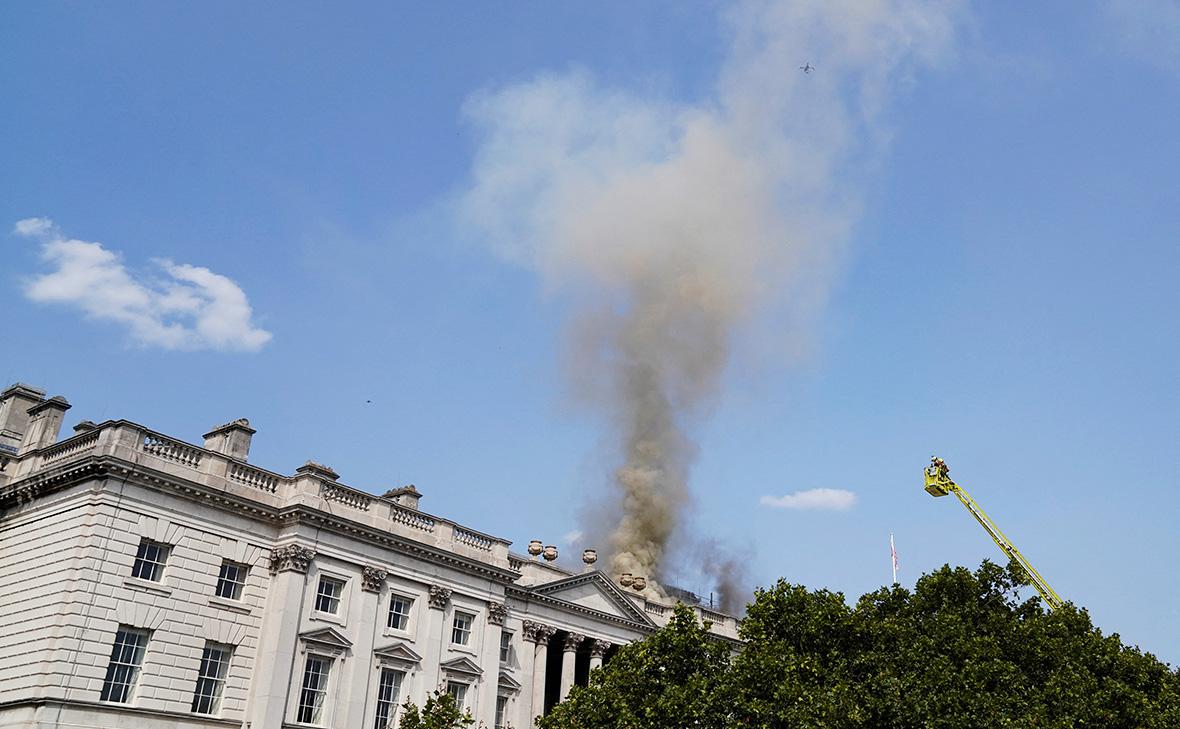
(52, 479)
(303, 514)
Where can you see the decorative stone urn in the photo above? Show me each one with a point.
(550, 553)
(625, 579)
(638, 583)
(535, 548)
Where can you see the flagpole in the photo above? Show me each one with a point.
(893, 557)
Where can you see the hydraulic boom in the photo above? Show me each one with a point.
(939, 483)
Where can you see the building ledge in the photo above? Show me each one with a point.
(154, 588)
(231, 605)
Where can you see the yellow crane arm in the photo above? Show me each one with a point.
(939, 483)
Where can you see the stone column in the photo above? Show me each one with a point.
(365, 613)
(277, 644)
(569, 653)
(598, 649)
(540, 635)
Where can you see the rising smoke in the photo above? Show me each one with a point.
(672, 226)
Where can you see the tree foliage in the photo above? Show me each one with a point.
(961, 650)
(669, 680)
(439, 712)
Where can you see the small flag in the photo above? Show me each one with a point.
(893, 553)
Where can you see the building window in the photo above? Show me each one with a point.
(505, 647)
(461, 628)
(126, 658)
(149, 560)
(501, 712)
(315, 689)
(231, 580)
(388, 689)
(458, 692)
(211, 678)
(327, 599)
(399, 611)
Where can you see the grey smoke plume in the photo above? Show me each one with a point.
(687, 222)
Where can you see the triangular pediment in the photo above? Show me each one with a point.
(398, 653)
(462, 665)
(508, 683)
(594, 591)
(326, 637)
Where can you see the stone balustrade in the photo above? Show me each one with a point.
(719, 619)
(473, 539)
(411, 518)
(175, 458)
(69, 447)
(345, 495)
(255, 477)
(162, 446)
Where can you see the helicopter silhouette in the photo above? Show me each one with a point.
(807, 67)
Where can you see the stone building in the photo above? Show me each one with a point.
(149, 582)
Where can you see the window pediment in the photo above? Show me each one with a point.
(398, 653)
(325, 640)
(462, 667)
(508, 683)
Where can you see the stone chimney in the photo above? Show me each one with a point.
(14, 414)
(44, 424)
(318, 470)
(406, 496)
(232, 439)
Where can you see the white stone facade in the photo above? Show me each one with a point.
(240, 597)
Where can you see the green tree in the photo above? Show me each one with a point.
(439, 712)
(963, 649)
(672, 679)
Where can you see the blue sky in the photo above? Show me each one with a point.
(1000, 288)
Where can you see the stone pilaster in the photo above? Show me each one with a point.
(490, 660)
(277, 642)
(435, 635)
(366, 614)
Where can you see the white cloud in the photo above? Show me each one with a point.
(572, 537)
(33, 226)
(826, 499)
(190, 308)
